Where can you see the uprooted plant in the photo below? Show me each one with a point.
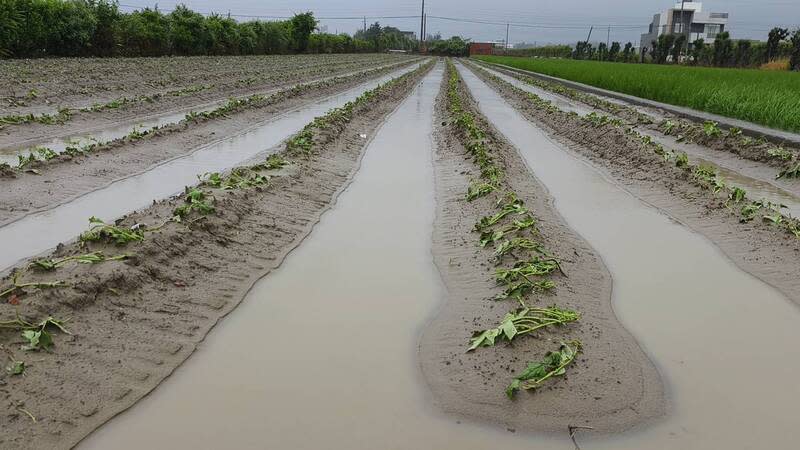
(101, 231)
(521, 322)
(36, 334)
(553, 364)
(49, 264)
(18, 286)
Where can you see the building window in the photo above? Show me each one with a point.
(712, 30)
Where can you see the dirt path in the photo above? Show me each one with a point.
(134, 321)
(64, 179)
(766, 251)
(614, 386)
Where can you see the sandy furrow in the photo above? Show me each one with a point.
(107, 124)
(744, 167)
(65, 178)
(133, 322)
(614, 387)
(757, 247)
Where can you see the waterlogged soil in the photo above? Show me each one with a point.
(766, 251)
(132, 322)
(43, 86)
(746, 168)
(701, 318)
(612, 386)
(84, 128)
(65, 178)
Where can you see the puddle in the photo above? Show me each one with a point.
(723, 340)
(756, 178)
(330, 355)
(37, 232)
(104, 133)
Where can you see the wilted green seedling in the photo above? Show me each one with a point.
(492, 236)
(554, 364)
(274, 161)
(239, 178)
(89, 258)
(195, 200)
(681, 160)
(522, 288)
(508, 246)
(478, 190)
(487, 222)
(669, 127)
(38, 285)
(793, 171)
(100, 230)
(780, 153)
(524, 269)
(36, 334)
(520, 322)
(711, 129)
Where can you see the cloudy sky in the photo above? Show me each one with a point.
(540, 21)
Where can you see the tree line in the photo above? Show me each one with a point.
(40, 28)
(726, 52)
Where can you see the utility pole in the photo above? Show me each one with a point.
(683, 30)
(365, 26)
(608, 37)
(507, 26)
(422, 29)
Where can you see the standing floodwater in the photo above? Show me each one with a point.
(723, 340)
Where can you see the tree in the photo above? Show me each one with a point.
(627, 53)
(794, 61)
(302, 26)
(602, 51)
(776, 35)
(723, 50)
(662, 48)
(613, 52)
(677, 48)
(742, 57)
(696, 51)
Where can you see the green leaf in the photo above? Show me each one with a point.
(16, 368)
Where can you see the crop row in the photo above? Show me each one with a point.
(523, 264)
(736, 199)
(53, 80)
(234, 105)
(763, 97)
(195, 205)
(708, 134)
(65, 114)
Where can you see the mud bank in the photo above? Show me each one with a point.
(690, 307)
(613, 386)
(134, 321)
(744, 162)
(65, 178)
(766, 251)
(110, 127)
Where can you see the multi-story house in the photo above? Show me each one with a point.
(686, 18)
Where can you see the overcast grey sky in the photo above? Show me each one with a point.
(569, 19)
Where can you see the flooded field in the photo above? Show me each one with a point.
(413, 255)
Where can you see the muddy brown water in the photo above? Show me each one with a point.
(757, 179)
(38, 232)
(322, 352)
(9, 154)
(723, 340)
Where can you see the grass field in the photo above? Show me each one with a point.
(766, 97)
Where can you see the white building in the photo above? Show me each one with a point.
(688, 18)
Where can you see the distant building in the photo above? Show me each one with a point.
(480, 48)
(689, 19)
(409, 34)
